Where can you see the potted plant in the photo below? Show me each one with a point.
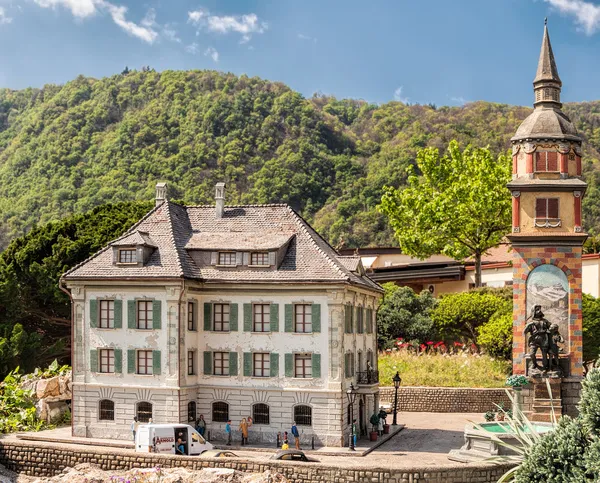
(489, 416)
(374, 420)
(516, 382)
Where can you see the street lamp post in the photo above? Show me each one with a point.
(397, 380)
(351, 393)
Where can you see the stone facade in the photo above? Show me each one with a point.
(445, 399)
(43, 459)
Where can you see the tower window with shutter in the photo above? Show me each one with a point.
(227, 259)
(221, 363)
(107, 360)
(107, 314)
(144, 314)
(546, 162)
(546, 212)
(303, 318)
(303, 365)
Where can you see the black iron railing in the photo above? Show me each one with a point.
(367, 377)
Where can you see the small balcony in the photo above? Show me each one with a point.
(367, 378)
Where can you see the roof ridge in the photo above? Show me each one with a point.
(264, 205)
(108, 245)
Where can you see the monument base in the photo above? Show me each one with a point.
(538, 404)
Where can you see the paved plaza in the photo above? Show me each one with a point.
(425, 441)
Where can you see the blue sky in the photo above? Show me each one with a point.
(443, 51)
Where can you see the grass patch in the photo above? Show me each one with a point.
(443, 370)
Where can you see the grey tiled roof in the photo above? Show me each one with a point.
(350, 262)
(135, 238)
(172, 228)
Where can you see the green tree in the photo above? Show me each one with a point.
(496, 335)
(459, 315)
(590, 309)
(405, 314)
(458, 206)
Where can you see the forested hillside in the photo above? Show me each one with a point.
(66, 149)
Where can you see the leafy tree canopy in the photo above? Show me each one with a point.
(456, 206)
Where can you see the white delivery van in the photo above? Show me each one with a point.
(162, 438)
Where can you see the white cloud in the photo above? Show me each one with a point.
(212, 53)
(586, 14)
(245, 25)
(193, 48)
(4, 18)
(86, 8)
(170, 33)
(459, 100)
(398, 95)
(307, 37)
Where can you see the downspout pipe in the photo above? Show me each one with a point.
(68, 292)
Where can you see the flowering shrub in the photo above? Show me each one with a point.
(431, 347)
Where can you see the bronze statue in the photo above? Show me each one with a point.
(538, 329)
(545, 337)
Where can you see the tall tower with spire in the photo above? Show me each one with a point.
(547, 234)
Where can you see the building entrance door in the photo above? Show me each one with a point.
(361, 416)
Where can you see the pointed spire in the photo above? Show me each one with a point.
(546, 70)
(547, 83)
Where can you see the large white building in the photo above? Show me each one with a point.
(229, 312)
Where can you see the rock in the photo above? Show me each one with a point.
(41, 410)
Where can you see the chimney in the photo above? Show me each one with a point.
(220, 199)
(161, 193)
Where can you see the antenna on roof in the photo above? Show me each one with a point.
(545, 20)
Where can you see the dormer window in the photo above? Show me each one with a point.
(259, 258)
(127, 255)
(227, 258)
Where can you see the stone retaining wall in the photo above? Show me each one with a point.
(445, 399)
(45, 459)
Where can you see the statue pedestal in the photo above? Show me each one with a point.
(547, 401)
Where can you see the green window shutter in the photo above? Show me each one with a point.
(355, 320)
(369, 321)
(207, 316)
(156, 314)
(131, 361)
(316, 317)
(233, 318)
(274, 318)
(274, 364)
(93, 313)
(156, 363)
(289, 318)
(247, 317)
(289, 365)
(316, 365)
(118, 314)
(118, 361)
(247, 364)
(233, 364)
(94, 360)
(131, 322)
(208, 359)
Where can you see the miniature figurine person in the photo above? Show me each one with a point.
(538, 329)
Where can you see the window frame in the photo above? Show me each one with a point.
(546, 162)
(192, 322)
(192, 408)
(104, 410)
(148, 366)
(303, 315)
(264, 358)
(263, 417)
(222, 313)
(107, 354)
(261, 256)
(141, 415)
(300, 418)
(108, 323)
(121, 251)
(149, 319)
(263, 315)
(220, 408)
(224, 368)
(227, 256)
(303, 356)
(191, 363)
